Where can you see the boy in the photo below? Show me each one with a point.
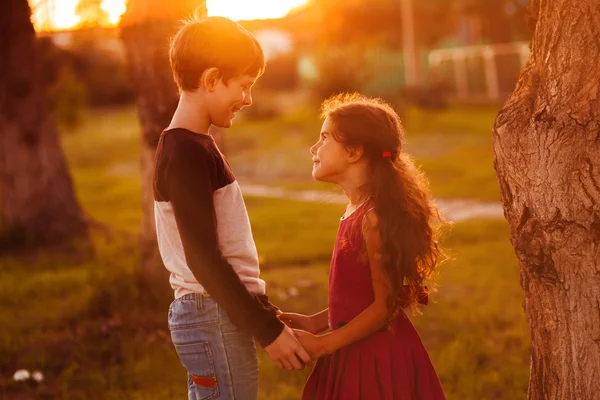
(204, 234)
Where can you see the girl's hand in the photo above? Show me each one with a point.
(314, 345)
(299, 321)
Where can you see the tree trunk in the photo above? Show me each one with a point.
(146, 29)
(547, 146)
(37, 203)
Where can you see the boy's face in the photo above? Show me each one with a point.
(227, 99)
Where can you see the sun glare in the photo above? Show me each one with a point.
(65, 16)
(60, 14)
(114, 8)
(256, 9)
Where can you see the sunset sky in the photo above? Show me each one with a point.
(61, 13)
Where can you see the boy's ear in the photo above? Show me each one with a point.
(210, 77)
(355, 153)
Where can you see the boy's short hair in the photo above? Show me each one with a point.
(203, 43)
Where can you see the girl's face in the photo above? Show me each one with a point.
(330, 158)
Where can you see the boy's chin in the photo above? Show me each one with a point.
(223, 124)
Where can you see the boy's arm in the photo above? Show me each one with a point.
(191, 195)
(264, 299)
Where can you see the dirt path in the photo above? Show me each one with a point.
(452, 209)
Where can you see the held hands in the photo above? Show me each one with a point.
(315, 345)
(305, 328)
(287, 352)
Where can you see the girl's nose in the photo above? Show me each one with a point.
(313, 149)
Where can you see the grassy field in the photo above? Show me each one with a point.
(85, 325)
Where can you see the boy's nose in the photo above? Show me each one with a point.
(248, 100)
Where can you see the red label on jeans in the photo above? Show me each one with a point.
(207, 381)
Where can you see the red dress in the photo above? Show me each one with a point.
(386, 365)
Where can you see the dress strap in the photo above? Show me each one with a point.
(364, 217)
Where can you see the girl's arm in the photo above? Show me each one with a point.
(373, 317)
(320, 320)
(314, 324)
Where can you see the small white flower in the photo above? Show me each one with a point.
(21, 375)
(293, 292)
(37, 376)
(281, 294)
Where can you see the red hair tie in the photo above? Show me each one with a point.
(386, 154)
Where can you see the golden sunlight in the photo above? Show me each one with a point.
(60, 14)
(114, 8)
(255, 9)
(54, 15)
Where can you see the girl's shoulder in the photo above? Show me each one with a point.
(358, 223)
(369, 219)
(359, 212)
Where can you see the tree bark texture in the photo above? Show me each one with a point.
(547, 147)
(37, 202)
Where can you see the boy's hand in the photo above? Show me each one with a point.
(315, 345)
(299, 321)
(287, 352)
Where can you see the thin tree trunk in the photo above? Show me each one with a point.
(547, 146)
(37, 203)
(146, 29)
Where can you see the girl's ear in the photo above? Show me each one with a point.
(355, 154)
(209, 78)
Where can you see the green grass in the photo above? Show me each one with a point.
(83, 328)
(89, 329)
(305, 237)
(104, 157)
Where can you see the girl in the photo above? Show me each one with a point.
(386, 249)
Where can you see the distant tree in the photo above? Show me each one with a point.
(37, 202)
(146, 28)
(348, 30)
(282, 73)
(500, 21)
(547, 146)
(64, 89)
(379, 21)
(101, 67)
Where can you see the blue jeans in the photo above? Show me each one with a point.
(220, 359)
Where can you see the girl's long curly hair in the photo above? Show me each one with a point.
(408, 221)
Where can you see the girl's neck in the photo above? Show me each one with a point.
(354, 188)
